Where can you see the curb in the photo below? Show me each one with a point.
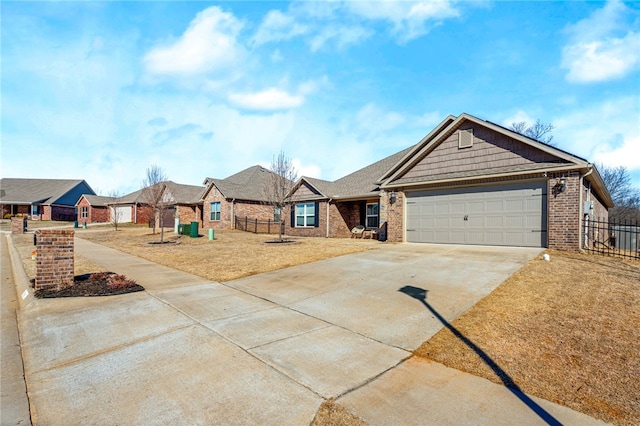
(22, 283)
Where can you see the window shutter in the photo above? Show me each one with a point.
(293, 215)
(317, 214)
(363, 214)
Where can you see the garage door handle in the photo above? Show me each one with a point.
(466, 217)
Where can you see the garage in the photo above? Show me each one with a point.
(502, 215)
(122, 213)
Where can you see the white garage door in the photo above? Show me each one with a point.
(503, 215)
(123, 212)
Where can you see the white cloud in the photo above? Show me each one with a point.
(409, 18)
(208, 44)
(607, 132)
(518, 117)
(600, 48)
(267, 100)
(340, 36)
(276, 26)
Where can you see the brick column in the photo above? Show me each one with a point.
(17, 225)
(392, 214)
(54, 261)
(564, 212)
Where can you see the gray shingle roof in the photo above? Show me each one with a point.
(28, 191)
(181, 194)
(98, 200)
(359, 184)
(247, 184)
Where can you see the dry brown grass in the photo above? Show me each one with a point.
(332, 414)
(567, 330)
(24, 245)
(233, 254)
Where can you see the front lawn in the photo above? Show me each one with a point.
(567, 330)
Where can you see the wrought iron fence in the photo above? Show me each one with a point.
(258, 226)
(612, 238)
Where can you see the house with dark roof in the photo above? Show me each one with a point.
(42, 199)
(183, 202)
(241, 196)
(469, 181)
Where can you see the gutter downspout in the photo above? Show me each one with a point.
(581, 210)
(135, 213)
(328, 203)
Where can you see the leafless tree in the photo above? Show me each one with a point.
(153, 187)
(625, 196)
(115, 214)
(278, 187)
(539, 131)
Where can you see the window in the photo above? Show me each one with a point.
(84, 212)
(372, 215)
(277, 211)
(215, 211)
(306, 214)
(35, 211)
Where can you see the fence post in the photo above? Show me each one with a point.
(246, 223)
(269, 227)
(256, 227)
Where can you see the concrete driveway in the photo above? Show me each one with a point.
(267, 349)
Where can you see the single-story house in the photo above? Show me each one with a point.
(241, 196)
(93, 209)
(42, 199)
(469, 181)
(183, 201)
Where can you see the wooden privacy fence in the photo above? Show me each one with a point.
(612, 238)
(258, 226)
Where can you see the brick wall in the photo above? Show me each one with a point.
(188, 214)
(311, 231)
(141, 213)
(54, 258)
(564, 212)
(17, 225)
(393, 215)
(95, 214)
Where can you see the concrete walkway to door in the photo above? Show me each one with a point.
(269, 349)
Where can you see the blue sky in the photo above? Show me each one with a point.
(102, 90)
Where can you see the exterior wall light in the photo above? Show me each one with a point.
(392, 197)
(562, 185)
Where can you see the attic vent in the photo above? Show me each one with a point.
(465, 138)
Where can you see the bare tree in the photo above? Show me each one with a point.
(625, 196)
(115, 214)
(539, 131)
(278, 187)
(153, 187)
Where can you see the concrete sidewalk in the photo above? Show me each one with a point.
(268, 349)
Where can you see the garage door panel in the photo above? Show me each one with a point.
(510, 214)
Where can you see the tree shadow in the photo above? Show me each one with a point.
(421, 295)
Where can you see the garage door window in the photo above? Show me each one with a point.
(372, 215)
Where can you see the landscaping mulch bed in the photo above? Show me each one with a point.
(95, 284)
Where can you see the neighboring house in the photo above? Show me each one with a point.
(242, 195)
(42, 199)
(183, 201)
(469, 181)
(93, 209)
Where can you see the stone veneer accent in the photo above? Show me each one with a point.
(54, 258)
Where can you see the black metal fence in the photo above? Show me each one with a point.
(612, 238)
(258, 226)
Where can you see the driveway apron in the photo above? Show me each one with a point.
(266, 349)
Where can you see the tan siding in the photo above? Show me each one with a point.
(304, 192)
(489, 150)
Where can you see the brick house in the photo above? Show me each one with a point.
(469, 181)
(93, 209)
(241, 195)
(183, 201)
(42, 199)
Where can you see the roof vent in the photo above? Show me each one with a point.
(465, 138)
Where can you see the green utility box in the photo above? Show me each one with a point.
(194, 230)
(184, 229)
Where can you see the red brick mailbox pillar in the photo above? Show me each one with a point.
(17, 225)
(54, 259)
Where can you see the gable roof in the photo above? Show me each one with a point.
(97, 200)
(559, 160)
(247, 184)
(37, 191)
(357, 185)
(178, 193)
